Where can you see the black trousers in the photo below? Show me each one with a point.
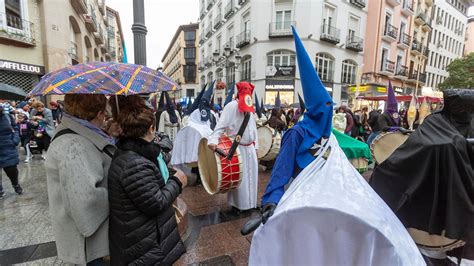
(43, 142)
(12, 173)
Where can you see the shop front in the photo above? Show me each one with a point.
(280, 79)
(21, 75)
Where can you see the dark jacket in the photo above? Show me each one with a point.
(374, 121)
(9, 139)
(143, 228)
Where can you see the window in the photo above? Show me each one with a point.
(384, 58)
(353, 28)
(190, 53)
(190, 73)
(329, 19)
(325, 66)
(349, 70)
(189, 93)
(13, 12)
(189, 35)
(210, 77)
(281, 58)
(246, 68)
(203, 80)
(283, 20)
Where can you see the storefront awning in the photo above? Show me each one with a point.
(400, 98)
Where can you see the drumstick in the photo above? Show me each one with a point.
(251, 225)
(471, 141)
(220, 152)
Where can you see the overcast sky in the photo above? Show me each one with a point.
(162, 18)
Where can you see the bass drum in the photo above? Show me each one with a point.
(385, 144)
(269, 141)
(219, 175)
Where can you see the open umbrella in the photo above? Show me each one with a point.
(9, 92)
(104, 78)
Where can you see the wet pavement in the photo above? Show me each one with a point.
(213, 236)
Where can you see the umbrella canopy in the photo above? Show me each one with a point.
(104, 78)
(9, 92)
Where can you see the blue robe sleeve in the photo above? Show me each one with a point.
(285, 166)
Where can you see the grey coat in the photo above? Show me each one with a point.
(48, 120)
(76, 169)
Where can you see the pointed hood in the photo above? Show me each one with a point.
(278, 101)
(195, 104)
(189, 103)
(391, 107)
(170, 108)
(258, 108)
(205, 102)
(317, 121)
(302, 105)
(230, 93)
(161, 103)
(244, 92)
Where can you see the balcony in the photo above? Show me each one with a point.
(243, 39)
(229, 9)
(202, 13)
(427, 25)
(111, 31)
(79, 6)
(416, 48)
(401, 72)
(420, 17)
(242, 2)
(393, 3)
(99, 39)
(17, 31)
(202, 39)
(209, 30)
(229, 46)
(358, 3)
(425, 51)
(413, 77)
(73, 51)
(218, 21)
(90, 22)
(390, 33)
(281, 29)
(355, 43)
(210, 3)
(388, 67)
(102, 6)
(407, 8)
(439, 20)
(330, 34)
(404, 41)
(208, 61)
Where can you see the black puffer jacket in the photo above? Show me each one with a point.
(143, 228)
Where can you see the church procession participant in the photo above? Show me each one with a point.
(232, 118)
(428, 181)
(329, 215)
(170, 119)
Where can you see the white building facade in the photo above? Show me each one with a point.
(447, 38)
(252, 40)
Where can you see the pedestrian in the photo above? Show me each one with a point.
(276, 122)
(43, 119)
(56, 111)
(350, 123)
(76, 168)
(170, 120)
(25, 129)
(9, 139)
(374, 125)
(143, 227)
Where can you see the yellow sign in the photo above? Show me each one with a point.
(381, 89)
(361, 89)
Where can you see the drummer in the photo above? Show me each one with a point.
(245, 197)
(390, 118)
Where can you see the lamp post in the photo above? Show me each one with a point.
(139, 32)
(226, 61)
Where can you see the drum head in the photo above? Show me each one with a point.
(434, 242)
(265, 141)
(207, 164)
(385, 144)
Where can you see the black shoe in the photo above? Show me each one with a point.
(2, 194)
(18, 189)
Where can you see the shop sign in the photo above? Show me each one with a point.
(279, 84)
(21, 67)
(280, 71)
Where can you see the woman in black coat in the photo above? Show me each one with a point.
(143, 228)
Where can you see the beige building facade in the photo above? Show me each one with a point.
(180, 60)
(469, 40)
(37, 37)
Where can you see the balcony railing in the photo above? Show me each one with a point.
(242, 2)
(420, 17)
(79, 6)
(391, 31)
(388, 66)
(17, 30)
(405, 39)
(417, 47)
(281, 29)
(407, 8)
(421, 77)
(229, 9)
(425, 51)
(218, 21)
(73, 50)
(243, 39)
(210, 3)
(202, 13)
(209, 30)
(402, 71)
(355, 43)
(111, 31)
(330, 34)
(393, 2)
(358, 3)
(229, 46)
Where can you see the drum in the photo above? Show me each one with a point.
(181, 214)
(434, 242)
(219, 175)
(385, 144)
(268, 143)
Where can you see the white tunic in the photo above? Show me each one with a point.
(331, 216)
(165, 126)
(245, 197)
